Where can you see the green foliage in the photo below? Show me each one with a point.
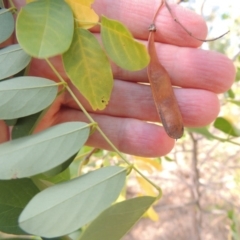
(82, 198)
(15, 194)
(7, 24)
(127, 51)
(20, 96)
(33, 154)
(52, 201)
(45, 28)
(225, 126)
(117, 220)
(89, 69)
(12, 60)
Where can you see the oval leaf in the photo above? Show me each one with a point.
(12, 60)
(45, 28)
(6, 24)
(24, 96)
(227, 127)
(15, 194)
(121, 46)
(89, 69)
(82, 198)
(41, 152)
(114, 222)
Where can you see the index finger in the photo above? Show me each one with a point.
(137, 15)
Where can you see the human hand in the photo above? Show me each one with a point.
(200, 74)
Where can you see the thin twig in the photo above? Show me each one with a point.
(186, 30)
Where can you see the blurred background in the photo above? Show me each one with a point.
(200, 178)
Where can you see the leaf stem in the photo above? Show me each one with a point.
(101, 132)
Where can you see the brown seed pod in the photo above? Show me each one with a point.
(162, 91)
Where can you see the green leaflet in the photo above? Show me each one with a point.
(6, 24)
(43, 151)
(45, 28)
(114, 222)
(12, 60)
(89, 69)
(82, 199)
(23, 96)
(227, 127)
(121, 46)
(15, 194)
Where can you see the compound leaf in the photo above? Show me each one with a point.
(12, 60)
(121, 46)
(82, 198)
(43, 151)
(117, 220)
(23, 96)
(6, 24)
(45, 28)
(89, 69)
(15, 194)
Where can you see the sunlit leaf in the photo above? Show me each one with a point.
(121, 46)
(152, 162)
(84, 15)
(117, 220)
(82, 199)
(226, 126)
(45, 28)
(43, 151)
(24, 96)
(152, 214)
(146, 186)
(6, 24)
(89, 69)
(15, 194)
(12, 60)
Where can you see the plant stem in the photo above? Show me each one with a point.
(101, 132)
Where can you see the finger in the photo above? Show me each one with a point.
(132, 100)
(137, 15)
(4, 136)
(130, 136)
(189, 68)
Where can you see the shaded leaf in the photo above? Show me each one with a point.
(6, 24)
(226, 126)
(45, 28)
(24, 126)
(23, 96)
(12, 60)
(121, 46)
(11, 122)
(84, 15)
(89, 69)
(203, 131)
(15, 194)
(43, 151)
(117, 220)
(83, 198)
